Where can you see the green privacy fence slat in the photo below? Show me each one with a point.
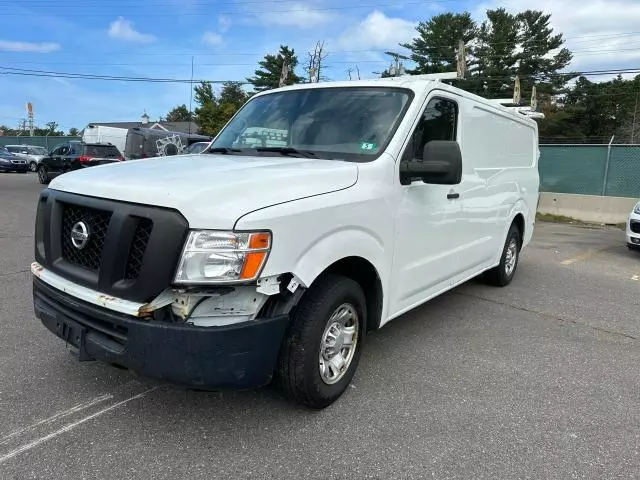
(48, 142)
(572, 168)
(624, 172)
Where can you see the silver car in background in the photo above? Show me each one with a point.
(32, 154)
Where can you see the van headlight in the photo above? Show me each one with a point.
(211, 256)
(636, 209)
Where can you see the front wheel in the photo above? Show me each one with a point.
(320, 354)
(43, 176)
(502, 275)
(33, 166)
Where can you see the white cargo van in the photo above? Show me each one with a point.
(273, 258)
(103, 134)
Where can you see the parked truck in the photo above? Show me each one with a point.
(272, 258)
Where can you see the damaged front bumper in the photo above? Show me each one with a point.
(242, 355)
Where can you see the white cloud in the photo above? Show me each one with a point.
(377, 31)
(592, 29)
(212, 38)
(28, 47)
(122, 29)
(294, 14)
(224, 23)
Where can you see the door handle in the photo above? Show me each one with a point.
(452, 196)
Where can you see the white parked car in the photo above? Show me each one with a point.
(32, 154)
(633, 228)
(260, 260)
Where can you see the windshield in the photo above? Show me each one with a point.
(350, 123)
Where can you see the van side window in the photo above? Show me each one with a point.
(438, 122)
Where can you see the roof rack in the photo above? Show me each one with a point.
(509, 105)
(435, 77)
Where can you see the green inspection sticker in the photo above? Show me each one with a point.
(367, 146)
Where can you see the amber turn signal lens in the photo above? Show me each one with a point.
(252, 265)
(259, 241)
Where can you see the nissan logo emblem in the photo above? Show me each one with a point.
(80, 235)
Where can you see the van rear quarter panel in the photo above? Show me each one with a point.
(502, 149)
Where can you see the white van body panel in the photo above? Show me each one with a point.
(211, 191)
(420, 242)
(101, 134)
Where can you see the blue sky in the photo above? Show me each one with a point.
(157, 38)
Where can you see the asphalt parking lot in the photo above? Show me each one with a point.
(537, 380)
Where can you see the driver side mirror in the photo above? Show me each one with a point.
(441, 164)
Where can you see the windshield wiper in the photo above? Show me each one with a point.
(287, 151)
(224, 150)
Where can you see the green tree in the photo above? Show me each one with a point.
(270, 71)
(73, 132)
(496, 56)
(203, 93)
(213, 112)
(434, 49)
(537, 65)
(179, 113)
(233, 94)
(503, 46)
(52, 127)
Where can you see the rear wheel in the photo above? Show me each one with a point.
(43, 176)
(321, 351)
(502, 275)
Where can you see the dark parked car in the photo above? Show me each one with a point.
(74, 156)
(10, 163)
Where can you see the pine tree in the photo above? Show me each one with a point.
(434, 49)
(496, 54)
(536, 65)
(179, 113)
(268, 76)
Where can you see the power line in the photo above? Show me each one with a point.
(86, 76)
(232, 12)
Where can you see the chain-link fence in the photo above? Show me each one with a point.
(611, 170)
(49, 142)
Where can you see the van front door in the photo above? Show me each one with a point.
(429, 229)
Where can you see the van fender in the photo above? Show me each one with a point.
(336, 245)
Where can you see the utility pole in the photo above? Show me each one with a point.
(534, 98)
(461, 60)
(191, 95)
(284, 74)
(635, 116)
(396, 68)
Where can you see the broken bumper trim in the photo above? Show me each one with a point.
(86, 294)
(235, 356)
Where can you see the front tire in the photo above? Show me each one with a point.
(320, 354)
(33, 166)
(502, 275)
(43, 176)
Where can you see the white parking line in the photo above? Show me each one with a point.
(55, 417)
(69, 427)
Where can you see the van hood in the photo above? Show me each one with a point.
(211, 191)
